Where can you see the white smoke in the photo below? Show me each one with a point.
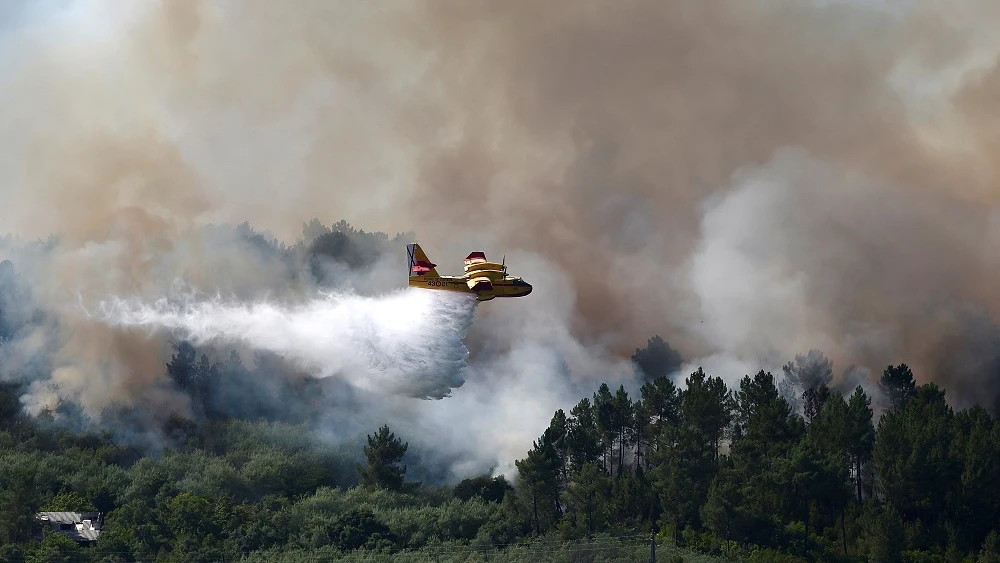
(409, 342)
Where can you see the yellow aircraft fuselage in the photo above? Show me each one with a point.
(486, 280)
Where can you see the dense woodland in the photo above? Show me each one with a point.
(782, 467)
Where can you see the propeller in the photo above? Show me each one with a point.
(503, 264)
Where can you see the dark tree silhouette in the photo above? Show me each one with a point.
(897, 384)
(813, 400)
(384, 453)
(657, 359)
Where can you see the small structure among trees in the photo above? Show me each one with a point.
(82, 527)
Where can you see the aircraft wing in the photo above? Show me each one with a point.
(480, 284)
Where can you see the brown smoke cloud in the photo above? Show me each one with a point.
(744, 178)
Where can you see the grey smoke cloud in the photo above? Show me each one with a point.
(823, 257)
(750, 180)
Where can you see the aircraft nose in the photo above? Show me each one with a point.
(527, 289)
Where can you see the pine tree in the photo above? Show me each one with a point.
(898, 385)
(707, 404)
(813, 400)
(861, 432)
(587, 499)
(383, 452)
(604, 413)
(539, 482)
(556, 436)
(660, 408)
(623, 421)
(583, 436)
(183, 366)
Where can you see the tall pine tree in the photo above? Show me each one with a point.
(384, 453)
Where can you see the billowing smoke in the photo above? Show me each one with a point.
(750, 180)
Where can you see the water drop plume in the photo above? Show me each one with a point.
(409, 342)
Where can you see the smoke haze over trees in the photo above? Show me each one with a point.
(730, 473)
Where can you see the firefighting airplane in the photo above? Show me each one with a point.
(486, 279)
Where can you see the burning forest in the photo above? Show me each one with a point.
(762, 239)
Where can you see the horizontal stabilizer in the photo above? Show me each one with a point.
(422, 267)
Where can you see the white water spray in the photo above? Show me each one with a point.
(408, 342)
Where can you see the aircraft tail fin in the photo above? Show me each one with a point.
(419, 264)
